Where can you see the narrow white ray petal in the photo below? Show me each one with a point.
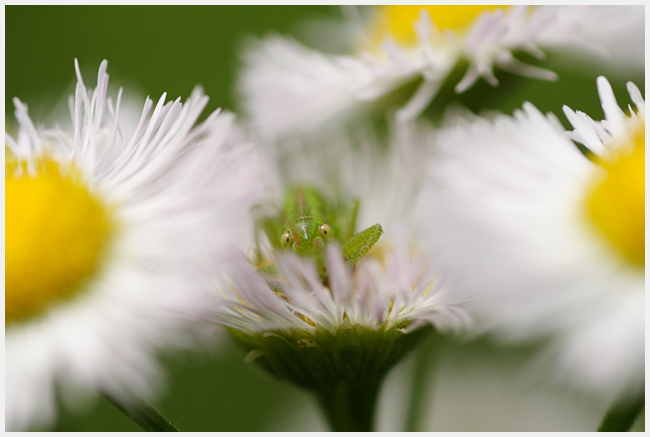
(613, 113)
(419, 100)
(636, 96)
(584, 130)
(517, 67)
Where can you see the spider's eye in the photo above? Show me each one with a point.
(325, 231)
(287, 239)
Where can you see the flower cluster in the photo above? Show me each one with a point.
(353, 227)
(542, 240)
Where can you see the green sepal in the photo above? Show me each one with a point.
(344, 369)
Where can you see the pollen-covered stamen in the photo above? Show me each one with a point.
(397, 20)
(616, 204)
(56, 235)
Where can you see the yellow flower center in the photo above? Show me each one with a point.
(616, 204)
(56, 233)
(397, 20)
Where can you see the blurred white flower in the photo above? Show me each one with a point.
(289, 88)
(620, 31)
(105, 237)
(549, 241)
(393, 286)
(338, 334)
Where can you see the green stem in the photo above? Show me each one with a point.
(143, 414)
(423, 371)
(622, 414)
(349, 406)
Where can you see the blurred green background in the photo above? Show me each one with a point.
(158, 48)
(171, 49)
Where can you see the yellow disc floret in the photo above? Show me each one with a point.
(397, 20)
(56, 235)
(616, 205)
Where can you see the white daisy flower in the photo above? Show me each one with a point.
(289, 88)
(396, 270)
(361, 319)
(105, 236)
(550, 240)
